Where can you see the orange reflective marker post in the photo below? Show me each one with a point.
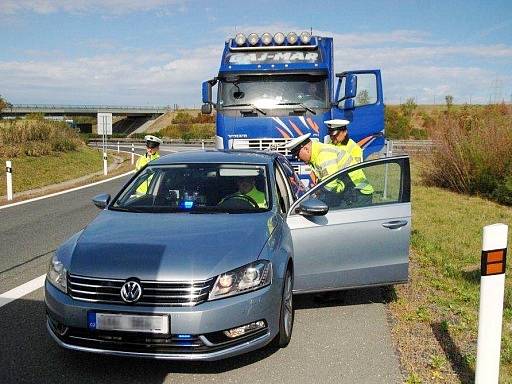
(490, 315)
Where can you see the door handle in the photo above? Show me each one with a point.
(394, 224)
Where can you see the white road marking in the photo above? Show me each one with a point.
(22, 290)
(66, 191)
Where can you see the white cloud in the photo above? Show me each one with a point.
(410, 65)
(115, 7)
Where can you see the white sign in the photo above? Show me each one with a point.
(104, 123)
(272, 57)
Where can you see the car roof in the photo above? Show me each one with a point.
(218, 156)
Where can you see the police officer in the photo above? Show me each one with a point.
(247, 186)
(326, 160)
(152, 151)
(338, 131)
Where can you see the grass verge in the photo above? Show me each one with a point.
(35, 172)
(435, 316)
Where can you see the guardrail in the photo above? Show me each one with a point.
(411, 147)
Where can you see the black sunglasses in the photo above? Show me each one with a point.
(152, 144)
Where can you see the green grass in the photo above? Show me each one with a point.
(35, 172)
(445, 269)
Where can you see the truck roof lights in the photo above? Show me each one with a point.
(253, 39)
(240, 39)
(266, 38)
(305, 37)
(279, 38)
(292, 38)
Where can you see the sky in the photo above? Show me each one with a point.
(157, 52)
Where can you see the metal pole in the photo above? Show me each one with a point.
(490, 314)
(8, 170)
(388, 153)
(133, 154)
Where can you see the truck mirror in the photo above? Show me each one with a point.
(351, 86)
(207, 92)
(206, 109)
(349, 104)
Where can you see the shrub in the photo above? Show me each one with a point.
(472, 153)
(36, 137)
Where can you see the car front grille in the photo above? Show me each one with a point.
(154, 293)
(263, 144)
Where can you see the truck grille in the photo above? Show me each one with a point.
(264, 144)
(161, 293)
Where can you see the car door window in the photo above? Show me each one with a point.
(283, 191)
(366, 89)
(368, 184)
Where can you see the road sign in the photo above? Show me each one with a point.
(104, 123)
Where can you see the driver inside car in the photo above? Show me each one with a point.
(247, 188)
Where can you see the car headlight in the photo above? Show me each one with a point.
(244, 279)
(57, 274)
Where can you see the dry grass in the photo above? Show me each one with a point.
(36, 137)
(473, 153)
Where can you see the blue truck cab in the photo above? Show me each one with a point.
(274, 88)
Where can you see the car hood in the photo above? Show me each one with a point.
(178, 246)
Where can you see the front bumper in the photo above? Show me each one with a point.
(67, 324)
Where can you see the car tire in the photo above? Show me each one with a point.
(287, 312)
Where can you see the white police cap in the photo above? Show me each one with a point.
(153, 138)
(294, 143)
(335, 124)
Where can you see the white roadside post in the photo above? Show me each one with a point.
(202, 144)
(118, 147)
(490, 315)
(133, 154)
(8, 170)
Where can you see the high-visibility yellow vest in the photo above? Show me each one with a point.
(141, 162)
(258, 197)
(353, 149)
(327, 159)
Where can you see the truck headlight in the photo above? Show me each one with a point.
(253, 39)
(266, 38)
(305, 37)
(292, 38)
(244, 279)
(57, 274)
(240, 39)
(279, 38)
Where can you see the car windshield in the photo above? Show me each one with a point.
(269, 92)
(197, 188)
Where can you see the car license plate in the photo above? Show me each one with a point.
(128, 323)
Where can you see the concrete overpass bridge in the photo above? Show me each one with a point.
(15, 110)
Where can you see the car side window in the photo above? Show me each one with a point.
(282, 190)
(366, 89)
(366, 185)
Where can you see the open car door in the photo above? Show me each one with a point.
(358, 242)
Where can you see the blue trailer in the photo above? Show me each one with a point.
(274, 88)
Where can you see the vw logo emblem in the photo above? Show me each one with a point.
(131, 291)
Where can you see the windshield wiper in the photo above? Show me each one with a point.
(124, 209)
(246, 105)
(300, 105)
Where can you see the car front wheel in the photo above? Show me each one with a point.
(287, 312)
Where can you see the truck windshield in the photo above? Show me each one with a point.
(269, 92)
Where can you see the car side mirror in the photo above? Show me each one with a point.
(206, 109)
(351, 86)
(313, 207)
(101, 201)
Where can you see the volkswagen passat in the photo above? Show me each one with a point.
(197, 256)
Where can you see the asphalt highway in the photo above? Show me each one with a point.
(344, 341)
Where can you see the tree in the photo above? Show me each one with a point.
(363, 98)
(408, 107)
(449, 101)
(3, 103)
